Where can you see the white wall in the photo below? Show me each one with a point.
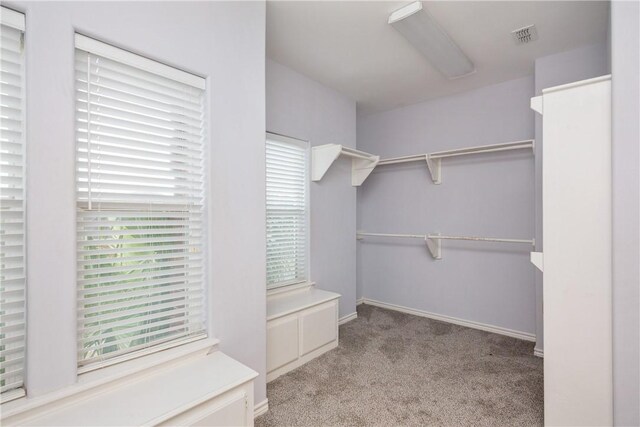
(301, 108)
(486, 195)
(222, 41)
(625, 68)
(553, 70)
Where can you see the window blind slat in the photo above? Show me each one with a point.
(95, 327)
(287, 211)
(180, 164)
(127, 104)
(104, 109)
(140, 201)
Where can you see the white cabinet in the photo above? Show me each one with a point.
(576, 258)
(301, 325)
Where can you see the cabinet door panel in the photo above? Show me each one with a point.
(282, 342)
(231, 413)
(319, 327)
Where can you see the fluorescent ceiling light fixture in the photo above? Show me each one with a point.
(424, 33)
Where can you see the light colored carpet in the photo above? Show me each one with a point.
(395, 369)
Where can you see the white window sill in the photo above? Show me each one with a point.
(112, 366)
(279, 290)
(93, 382)
(8, 396)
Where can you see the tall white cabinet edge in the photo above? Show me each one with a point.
(576, 258)
(301, 325)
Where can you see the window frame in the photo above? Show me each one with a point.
(145, 63)
(306, 145)
(17, 19)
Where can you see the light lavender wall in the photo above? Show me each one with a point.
(301, 108)
(487, 195)
(625, 64)
(224, 42)
(553, 70)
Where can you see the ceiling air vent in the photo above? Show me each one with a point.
(525, 34)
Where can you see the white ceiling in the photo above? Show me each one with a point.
(349, 46)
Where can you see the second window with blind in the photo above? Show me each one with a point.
(140, 204)
(287, 171)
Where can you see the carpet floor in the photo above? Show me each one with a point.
(395, 369)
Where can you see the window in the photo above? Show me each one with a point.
(287, 211)
(12, 205)
(140, 202)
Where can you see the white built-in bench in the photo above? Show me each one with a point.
(301, 325)
(201, 390)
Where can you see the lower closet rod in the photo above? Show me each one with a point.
(440, 237)
(433, 240)
(481, 239)
(413, 236)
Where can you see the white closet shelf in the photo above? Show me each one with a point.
(433, 160)
(323, 156)
(434, 244)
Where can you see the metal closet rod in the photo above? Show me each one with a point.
(481, 239)
(507, 146)
(441, 237)
(433, 241)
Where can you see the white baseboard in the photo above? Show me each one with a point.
(272, 375)
(468, 323)
(538, 352)
(261, 408)
(360, 301)
(347, 318)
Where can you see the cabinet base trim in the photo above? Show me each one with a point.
(347, 318)
(301, 361)
(261, 408)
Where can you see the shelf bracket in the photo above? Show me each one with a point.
(537, 259)
(434, 246)
(361, 169)
(323, 158)
(435, 169)
(536, 104)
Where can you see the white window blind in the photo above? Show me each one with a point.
(287, 210)
(12, 207)
(140, 199)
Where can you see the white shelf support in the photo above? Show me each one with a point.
(434, 246)
(323, 156)
(536, 104)
(537, 259)
(435, 169)
(434, 159)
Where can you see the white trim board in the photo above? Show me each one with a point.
(526, 336)
(539, 352)
(360, 301)
(347, 318)
(261, 408)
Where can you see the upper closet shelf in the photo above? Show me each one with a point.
(323, 156)
(433, 160)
